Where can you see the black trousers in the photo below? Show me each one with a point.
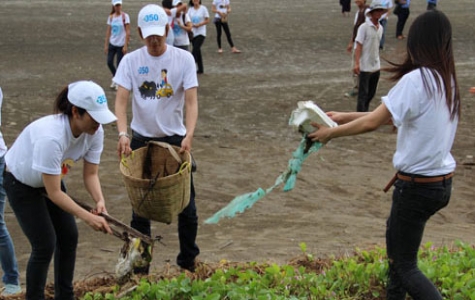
(368, 83)
(187, 219)
(197, 42)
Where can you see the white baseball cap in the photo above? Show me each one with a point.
(377, 5)
(116, 2)
(91, 97)
(152, 20)
(176, 2)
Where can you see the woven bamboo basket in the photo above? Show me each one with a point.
(158, 181)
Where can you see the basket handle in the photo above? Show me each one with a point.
(183, 166)
(170, 148)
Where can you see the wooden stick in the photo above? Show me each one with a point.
(110, 219)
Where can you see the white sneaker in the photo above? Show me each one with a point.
(116, 87)
(11, 289)
(113, 85)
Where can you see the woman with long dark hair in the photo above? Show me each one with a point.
(425, 107)
(199, 18)
(222, 8)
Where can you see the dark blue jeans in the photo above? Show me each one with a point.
(413, 204)
(7, 250)
(401, 20)
(50, 230)
(384, 24)
(187, 219)
(114, 51)
(367, 85)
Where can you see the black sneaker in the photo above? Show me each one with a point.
(142, 270)
(190, 268)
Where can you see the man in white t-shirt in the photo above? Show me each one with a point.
(367, 65)
(163, 83)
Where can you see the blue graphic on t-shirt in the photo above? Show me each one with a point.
(116, 29)
(176, 29)
(195, 19)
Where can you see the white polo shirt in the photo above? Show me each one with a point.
(369, 37)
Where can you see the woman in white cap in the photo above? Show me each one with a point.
(117, 37)
(35, 165)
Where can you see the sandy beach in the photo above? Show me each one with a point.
(291, 51)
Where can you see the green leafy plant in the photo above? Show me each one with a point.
(358, 276)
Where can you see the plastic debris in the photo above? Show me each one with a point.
(301, 118)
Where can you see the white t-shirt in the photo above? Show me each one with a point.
(47, 146)
(369, 37)
(158, 86)
(221, 6)
(171, 24)
(425, 131)
(3, 147)
(388, 4)
(197, 16)
(117, 37)
(181, 35)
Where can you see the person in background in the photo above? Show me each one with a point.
(367, 65)
(11, 276)
(117, 37)
(158, 117)
(402, 16)
(425, 106)
(199, 18)
(431, 4)
(222, 8)
(345, 7)
(35, 165)
(384, 21)
(360, 18)
(182, 27)
(172, 12)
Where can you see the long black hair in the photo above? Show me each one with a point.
(63, 106)
(429, 45)
(167, 4)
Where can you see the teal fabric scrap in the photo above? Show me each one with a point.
(288, 178)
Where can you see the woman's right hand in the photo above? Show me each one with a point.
(123, 146)
(106, 49)
(98, 223)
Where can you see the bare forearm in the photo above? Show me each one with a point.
(92, 182)
(191, 107)
(121, 101)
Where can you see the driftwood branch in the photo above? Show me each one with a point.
(126, 230)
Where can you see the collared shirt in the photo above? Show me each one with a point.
(369, 37)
